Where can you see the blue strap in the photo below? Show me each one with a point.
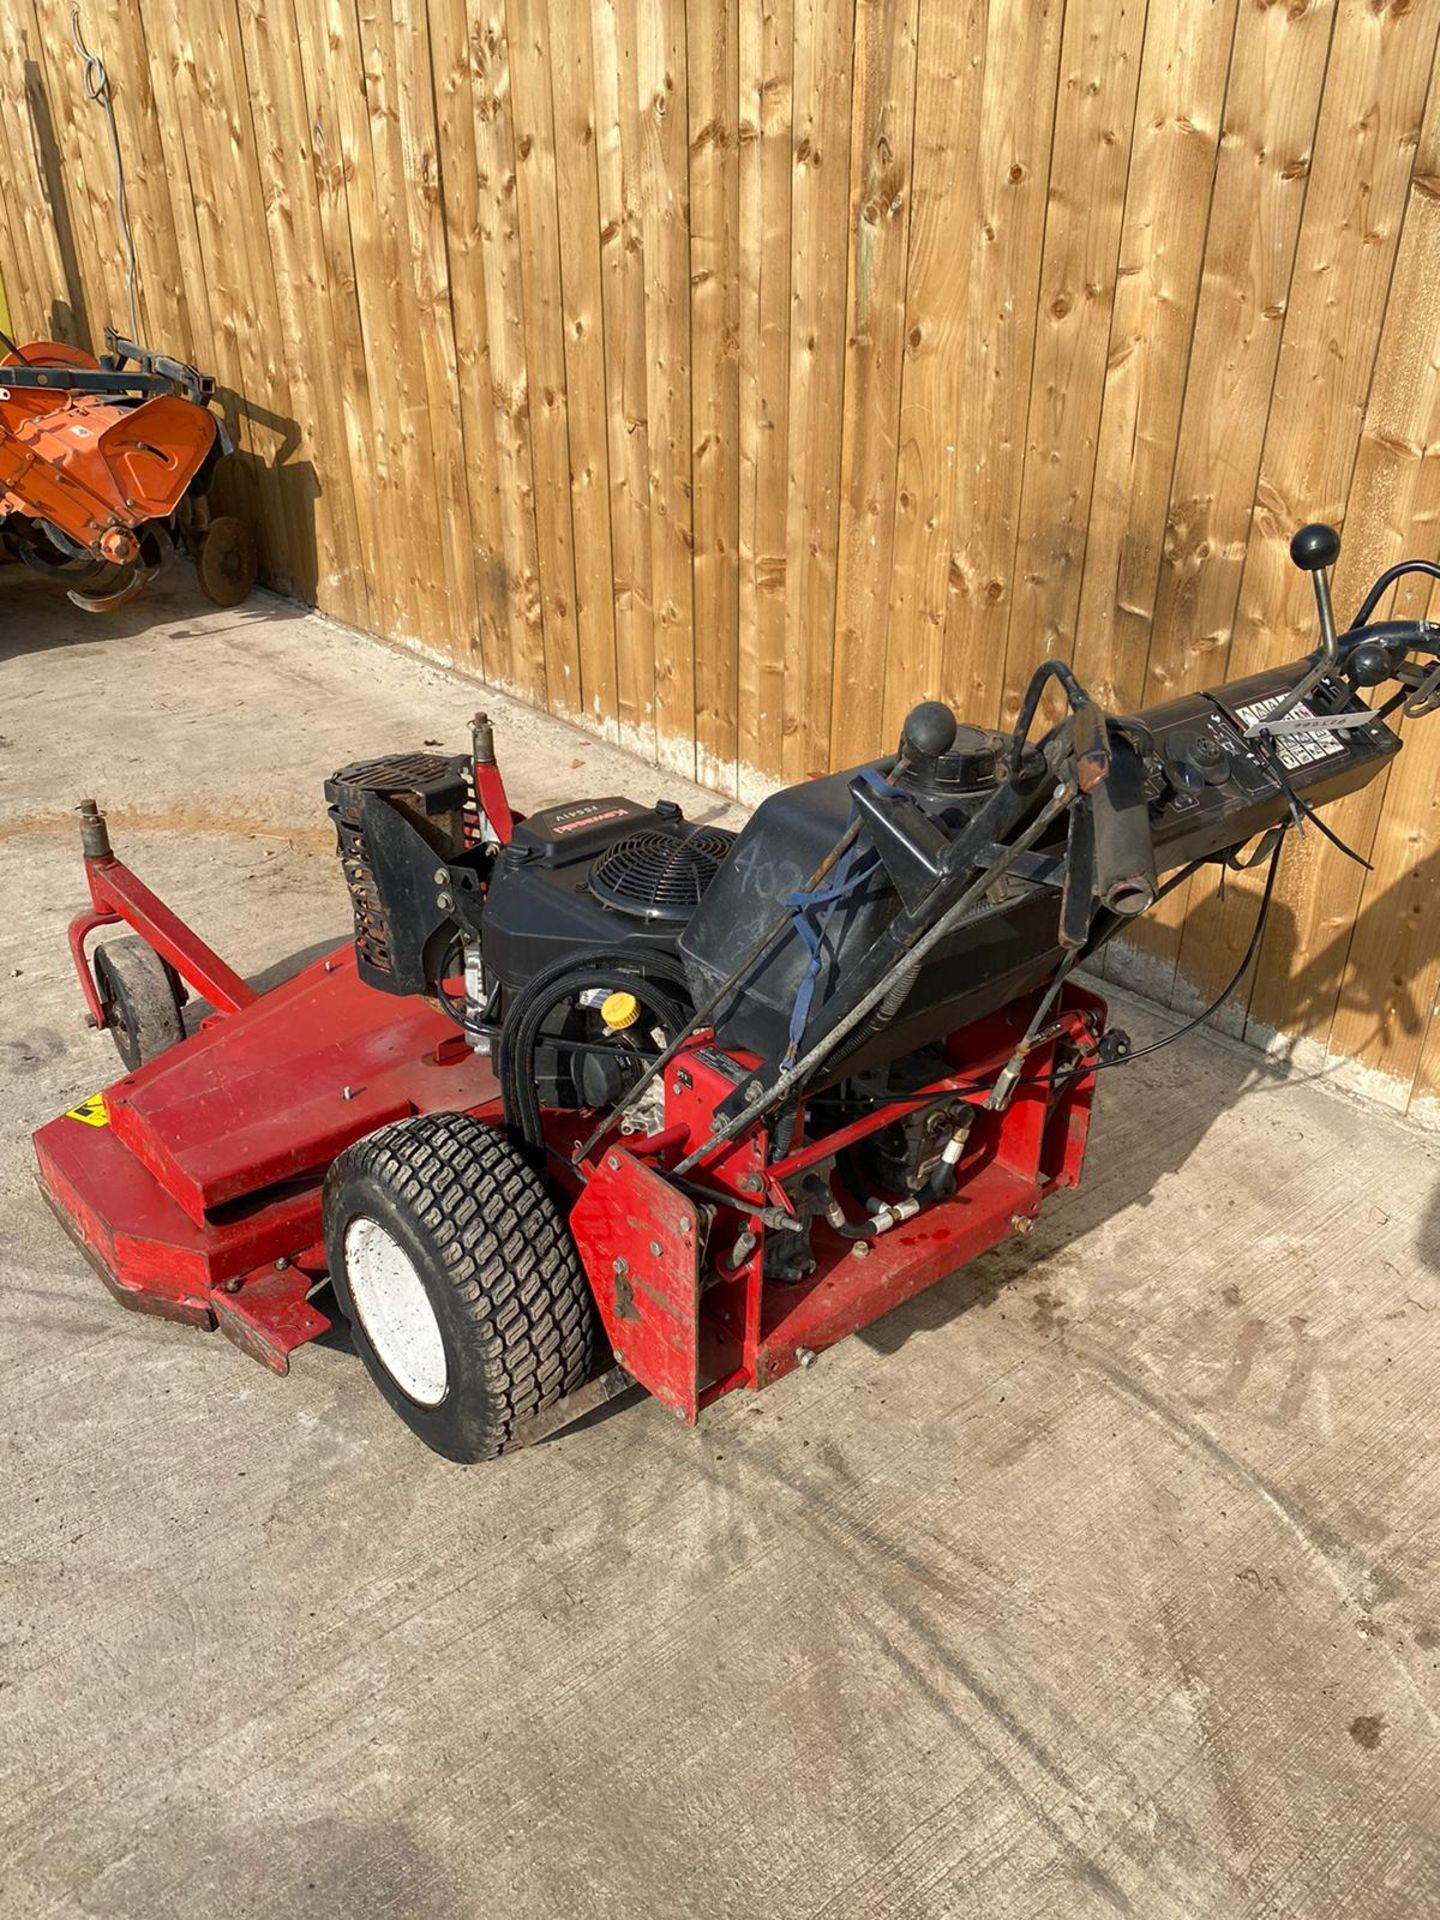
(821, 903)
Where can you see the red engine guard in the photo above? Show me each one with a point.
(637, 1232)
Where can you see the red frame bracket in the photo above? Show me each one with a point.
(119, 897)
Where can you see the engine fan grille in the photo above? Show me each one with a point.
(660, 876)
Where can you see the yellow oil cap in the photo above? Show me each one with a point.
(620, 1010)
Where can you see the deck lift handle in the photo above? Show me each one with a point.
(1314, 549)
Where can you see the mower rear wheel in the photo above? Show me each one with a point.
(141, 998)
(463, 1288)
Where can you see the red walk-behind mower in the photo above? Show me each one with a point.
(104, 463)
(601, 1096)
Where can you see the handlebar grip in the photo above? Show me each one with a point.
(1378, 651)
(1125, 876)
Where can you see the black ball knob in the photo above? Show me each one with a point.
(1315, 546)
(1368, 664)
(929, 731)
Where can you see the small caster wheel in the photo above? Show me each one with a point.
(141, 997)
(227, 562)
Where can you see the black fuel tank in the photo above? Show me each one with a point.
(998, 953)
(1208, 790)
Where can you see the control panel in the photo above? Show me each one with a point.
(1210, 788)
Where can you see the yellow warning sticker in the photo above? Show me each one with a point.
(91, 1112)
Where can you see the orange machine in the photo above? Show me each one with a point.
(103, 463)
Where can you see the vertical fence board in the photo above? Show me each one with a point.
(38, 272)
(819, 258)
(661, 68)
(578, 207)
(1089, 162)
(469, 322)
(951, 62)
(338, 576)
(765, 75)
(1022, 52)
(505, 319)
(619, 156)
(713, 40)
(1387, 976)
(544, 309)
(882, 139)
(1176, 145)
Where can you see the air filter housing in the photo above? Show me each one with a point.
(660, 874)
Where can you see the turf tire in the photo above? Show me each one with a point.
(497, 1263)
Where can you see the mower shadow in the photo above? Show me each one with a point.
(1142, 1132)
(274, 975)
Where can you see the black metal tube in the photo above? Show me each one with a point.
(1125, 878)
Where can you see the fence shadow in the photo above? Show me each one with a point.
(70, 318)
(274, 492)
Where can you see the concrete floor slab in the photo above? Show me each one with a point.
(1101, 1579)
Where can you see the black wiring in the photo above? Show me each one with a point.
(1198, 1020)
(457, 1009)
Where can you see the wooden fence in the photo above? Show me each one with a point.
(728, 374)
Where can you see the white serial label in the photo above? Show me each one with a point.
(1295, 749)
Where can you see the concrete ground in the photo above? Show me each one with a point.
(1105, 1578)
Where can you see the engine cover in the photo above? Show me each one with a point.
(595, 873)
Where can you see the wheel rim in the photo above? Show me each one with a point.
(395, 1310)
(113, 1008)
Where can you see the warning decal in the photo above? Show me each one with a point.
(91, 1112)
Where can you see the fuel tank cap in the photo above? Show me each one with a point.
(970, 765)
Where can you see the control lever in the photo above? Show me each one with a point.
(1314, 549)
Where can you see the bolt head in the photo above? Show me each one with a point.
(1021, 1222)
(807, 1356)
(860, 1249)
